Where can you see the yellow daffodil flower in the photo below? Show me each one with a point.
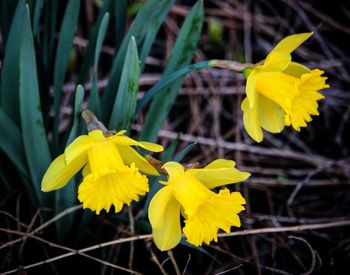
(111, 170)
(205, 212)
(281, 92)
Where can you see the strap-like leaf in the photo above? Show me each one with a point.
(90, 49)
(181, 56)
(65, 41)
(125, 102)
(11, 143)
(152, 13)
(94, 101)
(33, 133)
(10, 70)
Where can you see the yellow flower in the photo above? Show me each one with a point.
(281, 92)
(205, 212)
(111, 170)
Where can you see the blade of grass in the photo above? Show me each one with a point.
(65, 41)
(10, 69)
(33, 133)
(125, 103)
(66, 197)
(153, 12)
(94, 100)
(181, 56)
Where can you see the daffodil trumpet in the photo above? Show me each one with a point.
(188, 193)
(113, 171)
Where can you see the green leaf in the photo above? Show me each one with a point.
(33, 133)
(94, 101)
(65, 41)
(90, 49)
(179, 157)
(79, 97)
(11, 143)
(181, 56)
(169, 79)
(125, 103)
(153, 12)
(10, 70)
(66, 197)
(168, 153)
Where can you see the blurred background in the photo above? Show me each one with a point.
(298, 178)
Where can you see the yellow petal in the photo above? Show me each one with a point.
(296, 69)
(271, 116)
(219, 172)
(59, 173)
(278, 87)
(291, 42)
(250, 89)
(78, 147)
(124, 140)
(173, 169)
(98, 135)
(251, 121)
(276, 61)
(164, 216)
(130, 155)
(153, 147)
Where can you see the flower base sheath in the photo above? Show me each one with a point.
(111, 170)
(281, 92)
(205, 212)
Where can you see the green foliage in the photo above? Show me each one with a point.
(125, 103)
(33, 132)
(155, 9)
(181, 56)
(10, 70)
(94, 101)
(65, 40)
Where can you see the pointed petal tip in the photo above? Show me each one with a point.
(246, 175)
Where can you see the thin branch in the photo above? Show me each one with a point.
(44, 225)
(221, 235)
(295, 228)
(52, 244)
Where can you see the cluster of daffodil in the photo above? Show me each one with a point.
(279, 93)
